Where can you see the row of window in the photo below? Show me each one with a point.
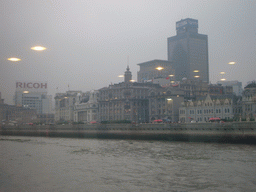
(206, 111)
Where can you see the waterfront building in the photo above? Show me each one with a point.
(12, 114)
(188, 51)
(193, 88)
(204, 108)
(86, 110)
(164, 103)
(45, 119)
(236, 85)
(218, 89)
(33, 95)
(249, 102)
(155, 69)
(64, 105)
(125, 101)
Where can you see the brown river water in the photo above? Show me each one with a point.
(71, 164)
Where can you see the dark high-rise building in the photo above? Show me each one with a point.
(188, 51)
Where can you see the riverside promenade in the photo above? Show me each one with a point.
(233, 132)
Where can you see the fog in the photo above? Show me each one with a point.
(89, 43)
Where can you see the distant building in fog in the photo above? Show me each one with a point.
(249, 102)
(150, 70)
(164, 103)
(188, 51)
(65, 105)
(86, 110)
(125, 101)
(204, 108)
(12, 114)
(33, 95)
(237, 86)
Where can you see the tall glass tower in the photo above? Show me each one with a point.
(188, 51)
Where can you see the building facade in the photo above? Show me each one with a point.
(155, 69)
(193, 88)
(12, 114)
(164, 103)
(188, 51)
(249, 102)
(236, 85)
(125, 101)
(207, 107)
(33, 95)
(86, 111)
(64, 106)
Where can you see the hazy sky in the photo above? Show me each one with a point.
(88, 41)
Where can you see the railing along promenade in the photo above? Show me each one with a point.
(234, 132)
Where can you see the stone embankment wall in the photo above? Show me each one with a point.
(235, 132)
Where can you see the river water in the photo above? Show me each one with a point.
(71, 164)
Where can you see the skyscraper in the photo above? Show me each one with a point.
(188, 51)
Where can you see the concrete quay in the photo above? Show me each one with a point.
(234, 132)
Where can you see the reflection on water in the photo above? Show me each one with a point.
(61, 164)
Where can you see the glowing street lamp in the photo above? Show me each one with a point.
(223, 79)
(13, 59)
(222, 73)
(38, 48)
(120, 75)
(196, 71)
(232, 63)
(196, 76)
(171, 75)
(132, 80)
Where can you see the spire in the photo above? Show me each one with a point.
(127, 75)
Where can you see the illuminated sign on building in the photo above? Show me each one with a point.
(31, 86)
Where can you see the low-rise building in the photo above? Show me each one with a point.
(207, 107)
(12, 114)
(86, 110)
(164, 103)
(236, 86)
(249, 102)
(64, 106)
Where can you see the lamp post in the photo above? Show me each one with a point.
(169, 108)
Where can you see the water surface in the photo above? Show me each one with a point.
(65, 164)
